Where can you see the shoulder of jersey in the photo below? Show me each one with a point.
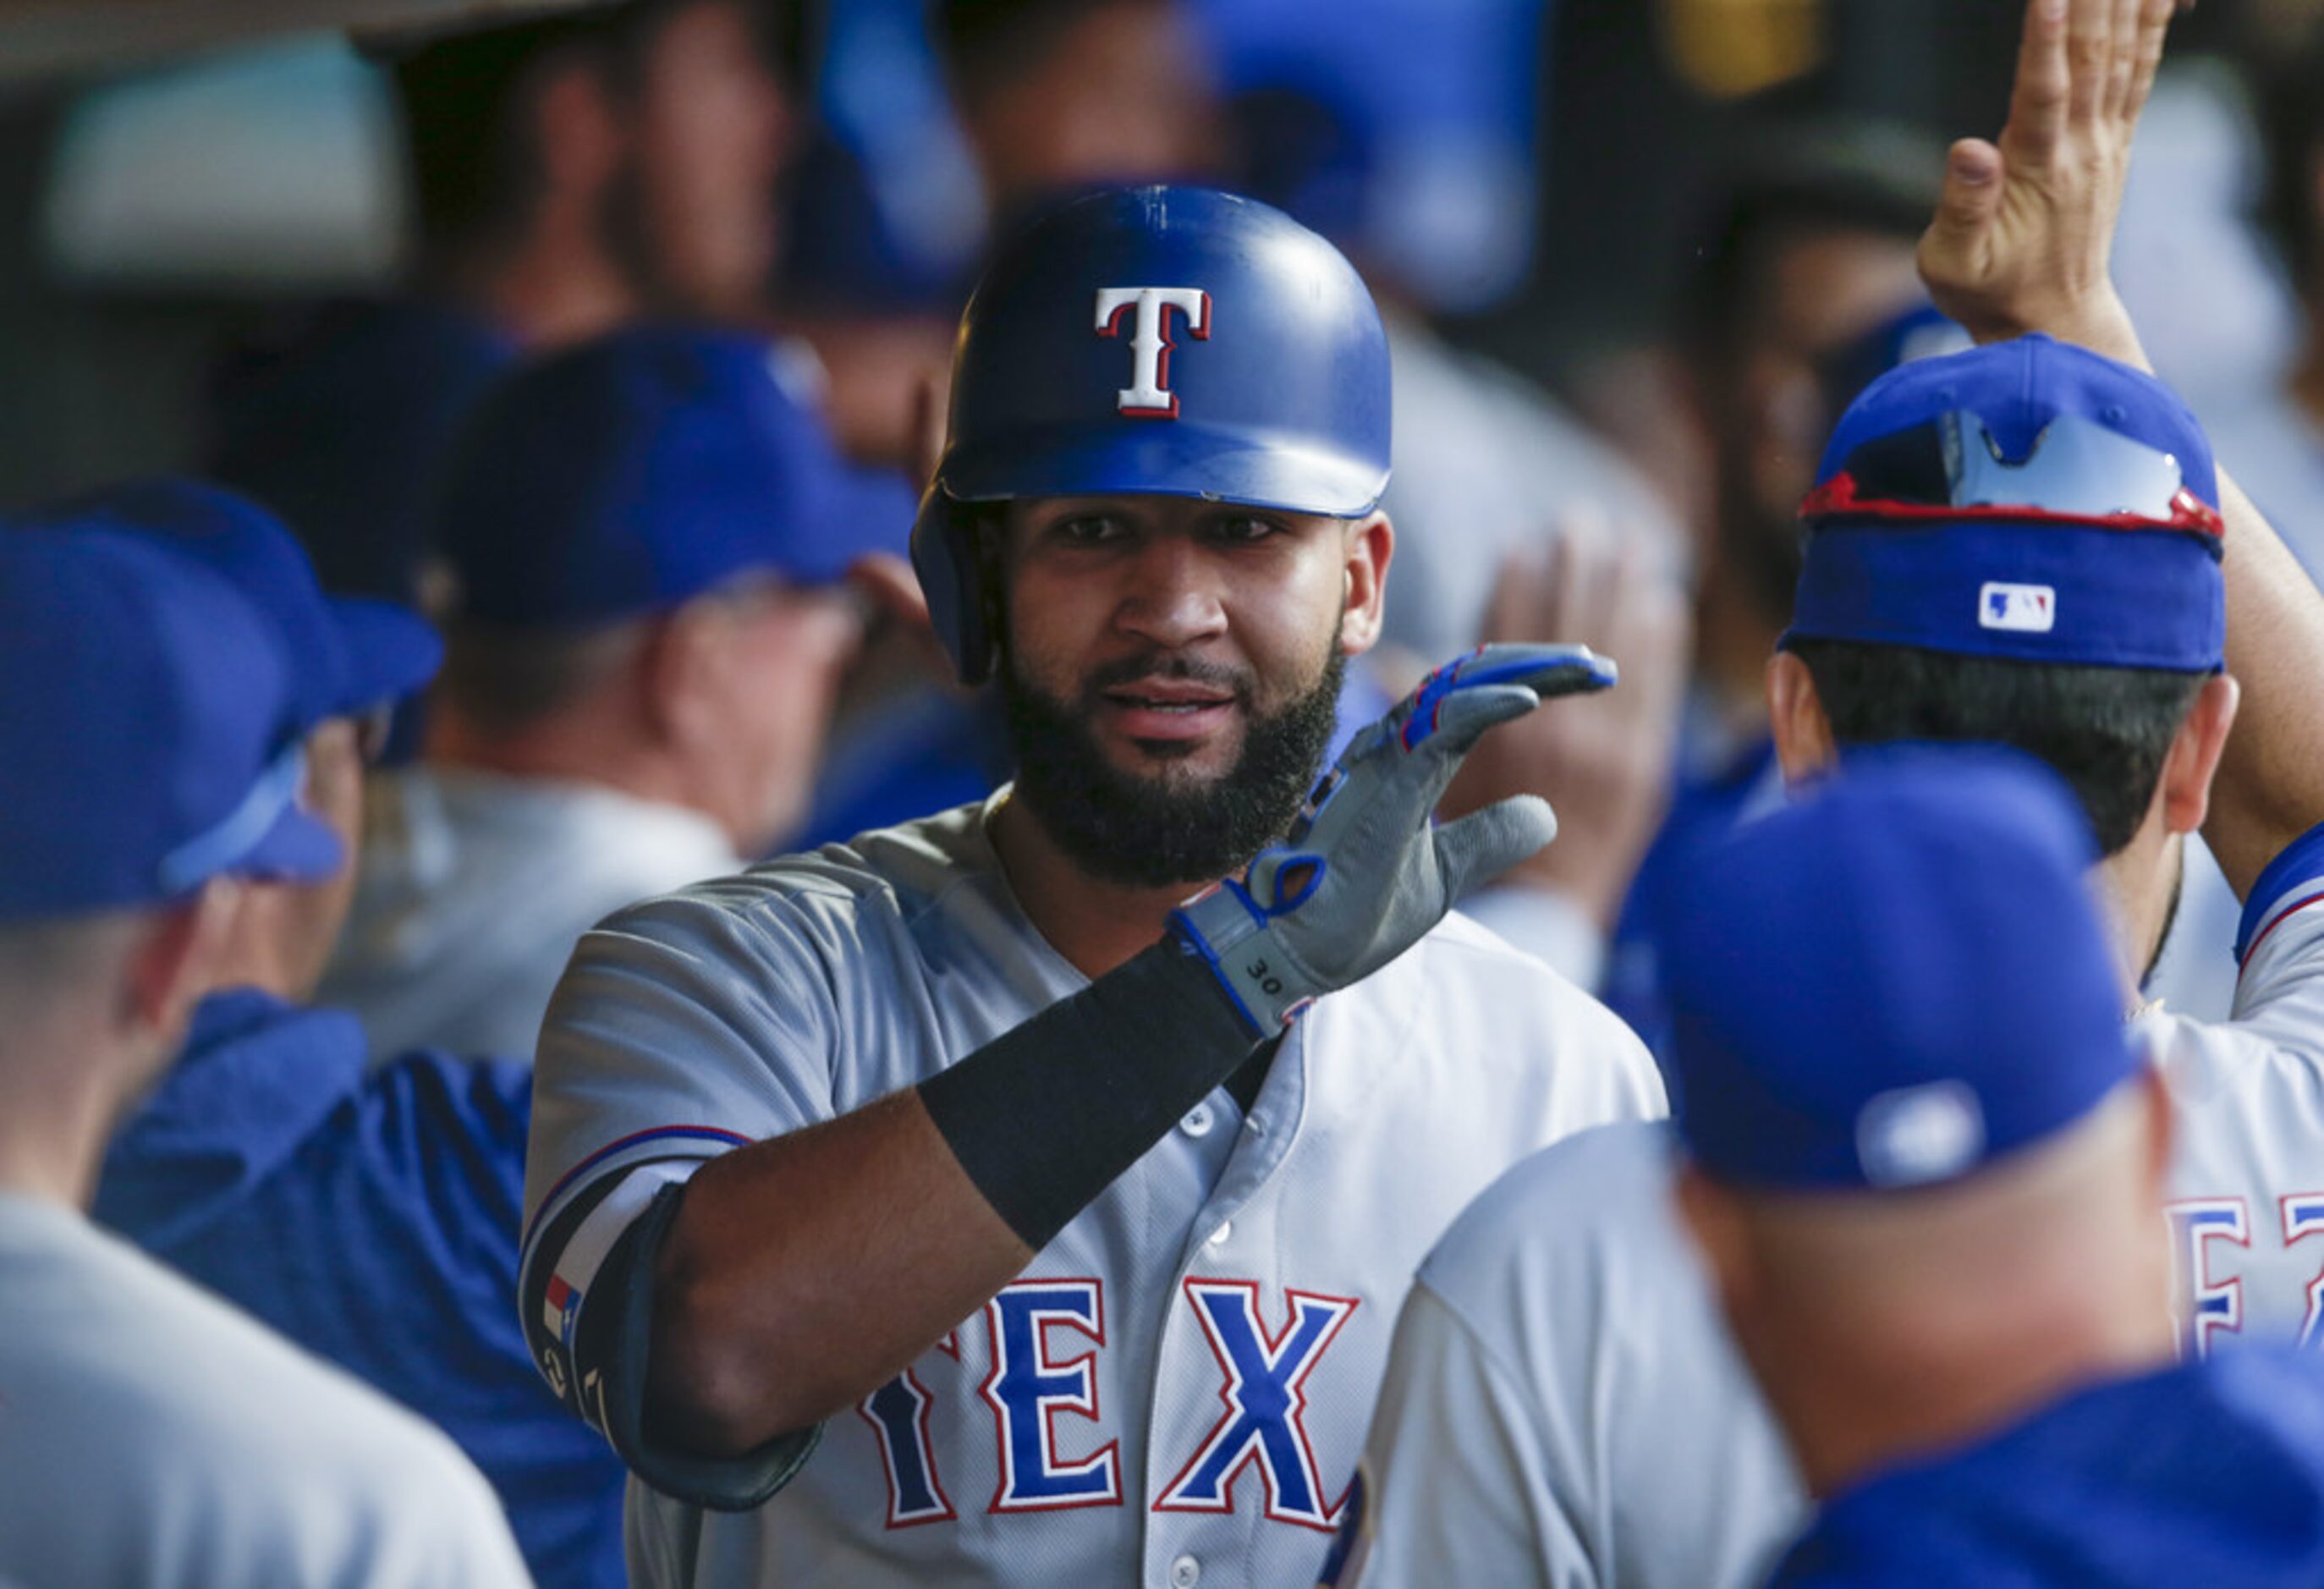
(1584, 1200)
(903, 869)
(346, 1431)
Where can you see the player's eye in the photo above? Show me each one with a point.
(1088, 530)
(1243, 528)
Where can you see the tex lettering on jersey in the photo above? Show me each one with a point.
(1265, 1402)
(1045, 1339)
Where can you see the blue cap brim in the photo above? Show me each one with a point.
(862, 511)
(391, 651)
(1180, 458)
(298, 848)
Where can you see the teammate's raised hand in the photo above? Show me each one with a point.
(1362, 876)
(2022, 236)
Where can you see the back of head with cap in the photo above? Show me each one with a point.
(148, 746)
(603, 501)
(2021, 544)
(349, 658)
(1926, 1159)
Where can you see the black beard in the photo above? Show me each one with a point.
(1139, 832)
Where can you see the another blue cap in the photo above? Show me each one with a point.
(2026, 500)
(339, 422)
(348, 654)
(149, 738)
(644, 468)
(1899, 979)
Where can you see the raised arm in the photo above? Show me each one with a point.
(792, 1276)
(2021, 242)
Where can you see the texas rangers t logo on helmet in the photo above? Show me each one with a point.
(1148, 396)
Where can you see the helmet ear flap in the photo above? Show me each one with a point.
(947, 557)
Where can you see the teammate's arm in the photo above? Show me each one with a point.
(792, 1276)
(2020, 243)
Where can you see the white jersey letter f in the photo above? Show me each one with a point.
(1148, 396)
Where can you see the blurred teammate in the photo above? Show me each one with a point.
(371, 1218)
(651, 544)
(570, 175)
(963, 1202)
(1936, 1223)
(1633, 1447)
(151, 1434)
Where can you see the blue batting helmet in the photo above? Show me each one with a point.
(1154, 341)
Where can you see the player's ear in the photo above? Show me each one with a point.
(2194, 756)
(1370, 545)
(1803, 740)
(681, 664)
(172, 958)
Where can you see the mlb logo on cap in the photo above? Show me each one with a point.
(2032, 609)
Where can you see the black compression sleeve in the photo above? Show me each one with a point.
(1045, 1117)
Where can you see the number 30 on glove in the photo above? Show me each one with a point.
(1363, 876)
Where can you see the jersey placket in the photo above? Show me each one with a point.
(1181, 1546)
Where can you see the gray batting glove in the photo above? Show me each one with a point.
(1363, 876)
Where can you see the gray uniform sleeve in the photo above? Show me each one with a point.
(1453, 1486)
(684, 1027)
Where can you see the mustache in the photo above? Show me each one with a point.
(1161, 665)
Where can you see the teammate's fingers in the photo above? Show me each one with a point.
(1485, 844)
(2122, 58)
(2153, 25)
(2038, 100)
(2089, 54)
(1972, 196)
(1515, 609)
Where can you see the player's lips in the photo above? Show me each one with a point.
(1166, 708)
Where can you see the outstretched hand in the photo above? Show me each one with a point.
(2022, 236)
(1363, 876)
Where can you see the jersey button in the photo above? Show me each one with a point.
(1219, 1236)
(1185, 1573)
(1197, 1122)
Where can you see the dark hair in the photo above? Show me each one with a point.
(473, 166)
(2105, 730)
(2292, 126)
(505, 680)
(985, 45)
(1790, 176)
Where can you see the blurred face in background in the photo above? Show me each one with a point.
(696, 205)
(1123, 94)
(1820, 291)
(773, 658)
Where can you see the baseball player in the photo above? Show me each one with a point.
(1937, 1223)
(1590, 1423)
(906, 1212)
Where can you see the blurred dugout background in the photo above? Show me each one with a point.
(1531, 172)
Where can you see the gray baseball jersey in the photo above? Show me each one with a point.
(152, 1435)
(1563, 1406)
(1178, 1385)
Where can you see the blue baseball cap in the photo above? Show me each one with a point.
(347, 654)
(1899, 979)
(643, 468)
(2026, 500)
(149, 738)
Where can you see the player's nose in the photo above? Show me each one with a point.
(1173, 595)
